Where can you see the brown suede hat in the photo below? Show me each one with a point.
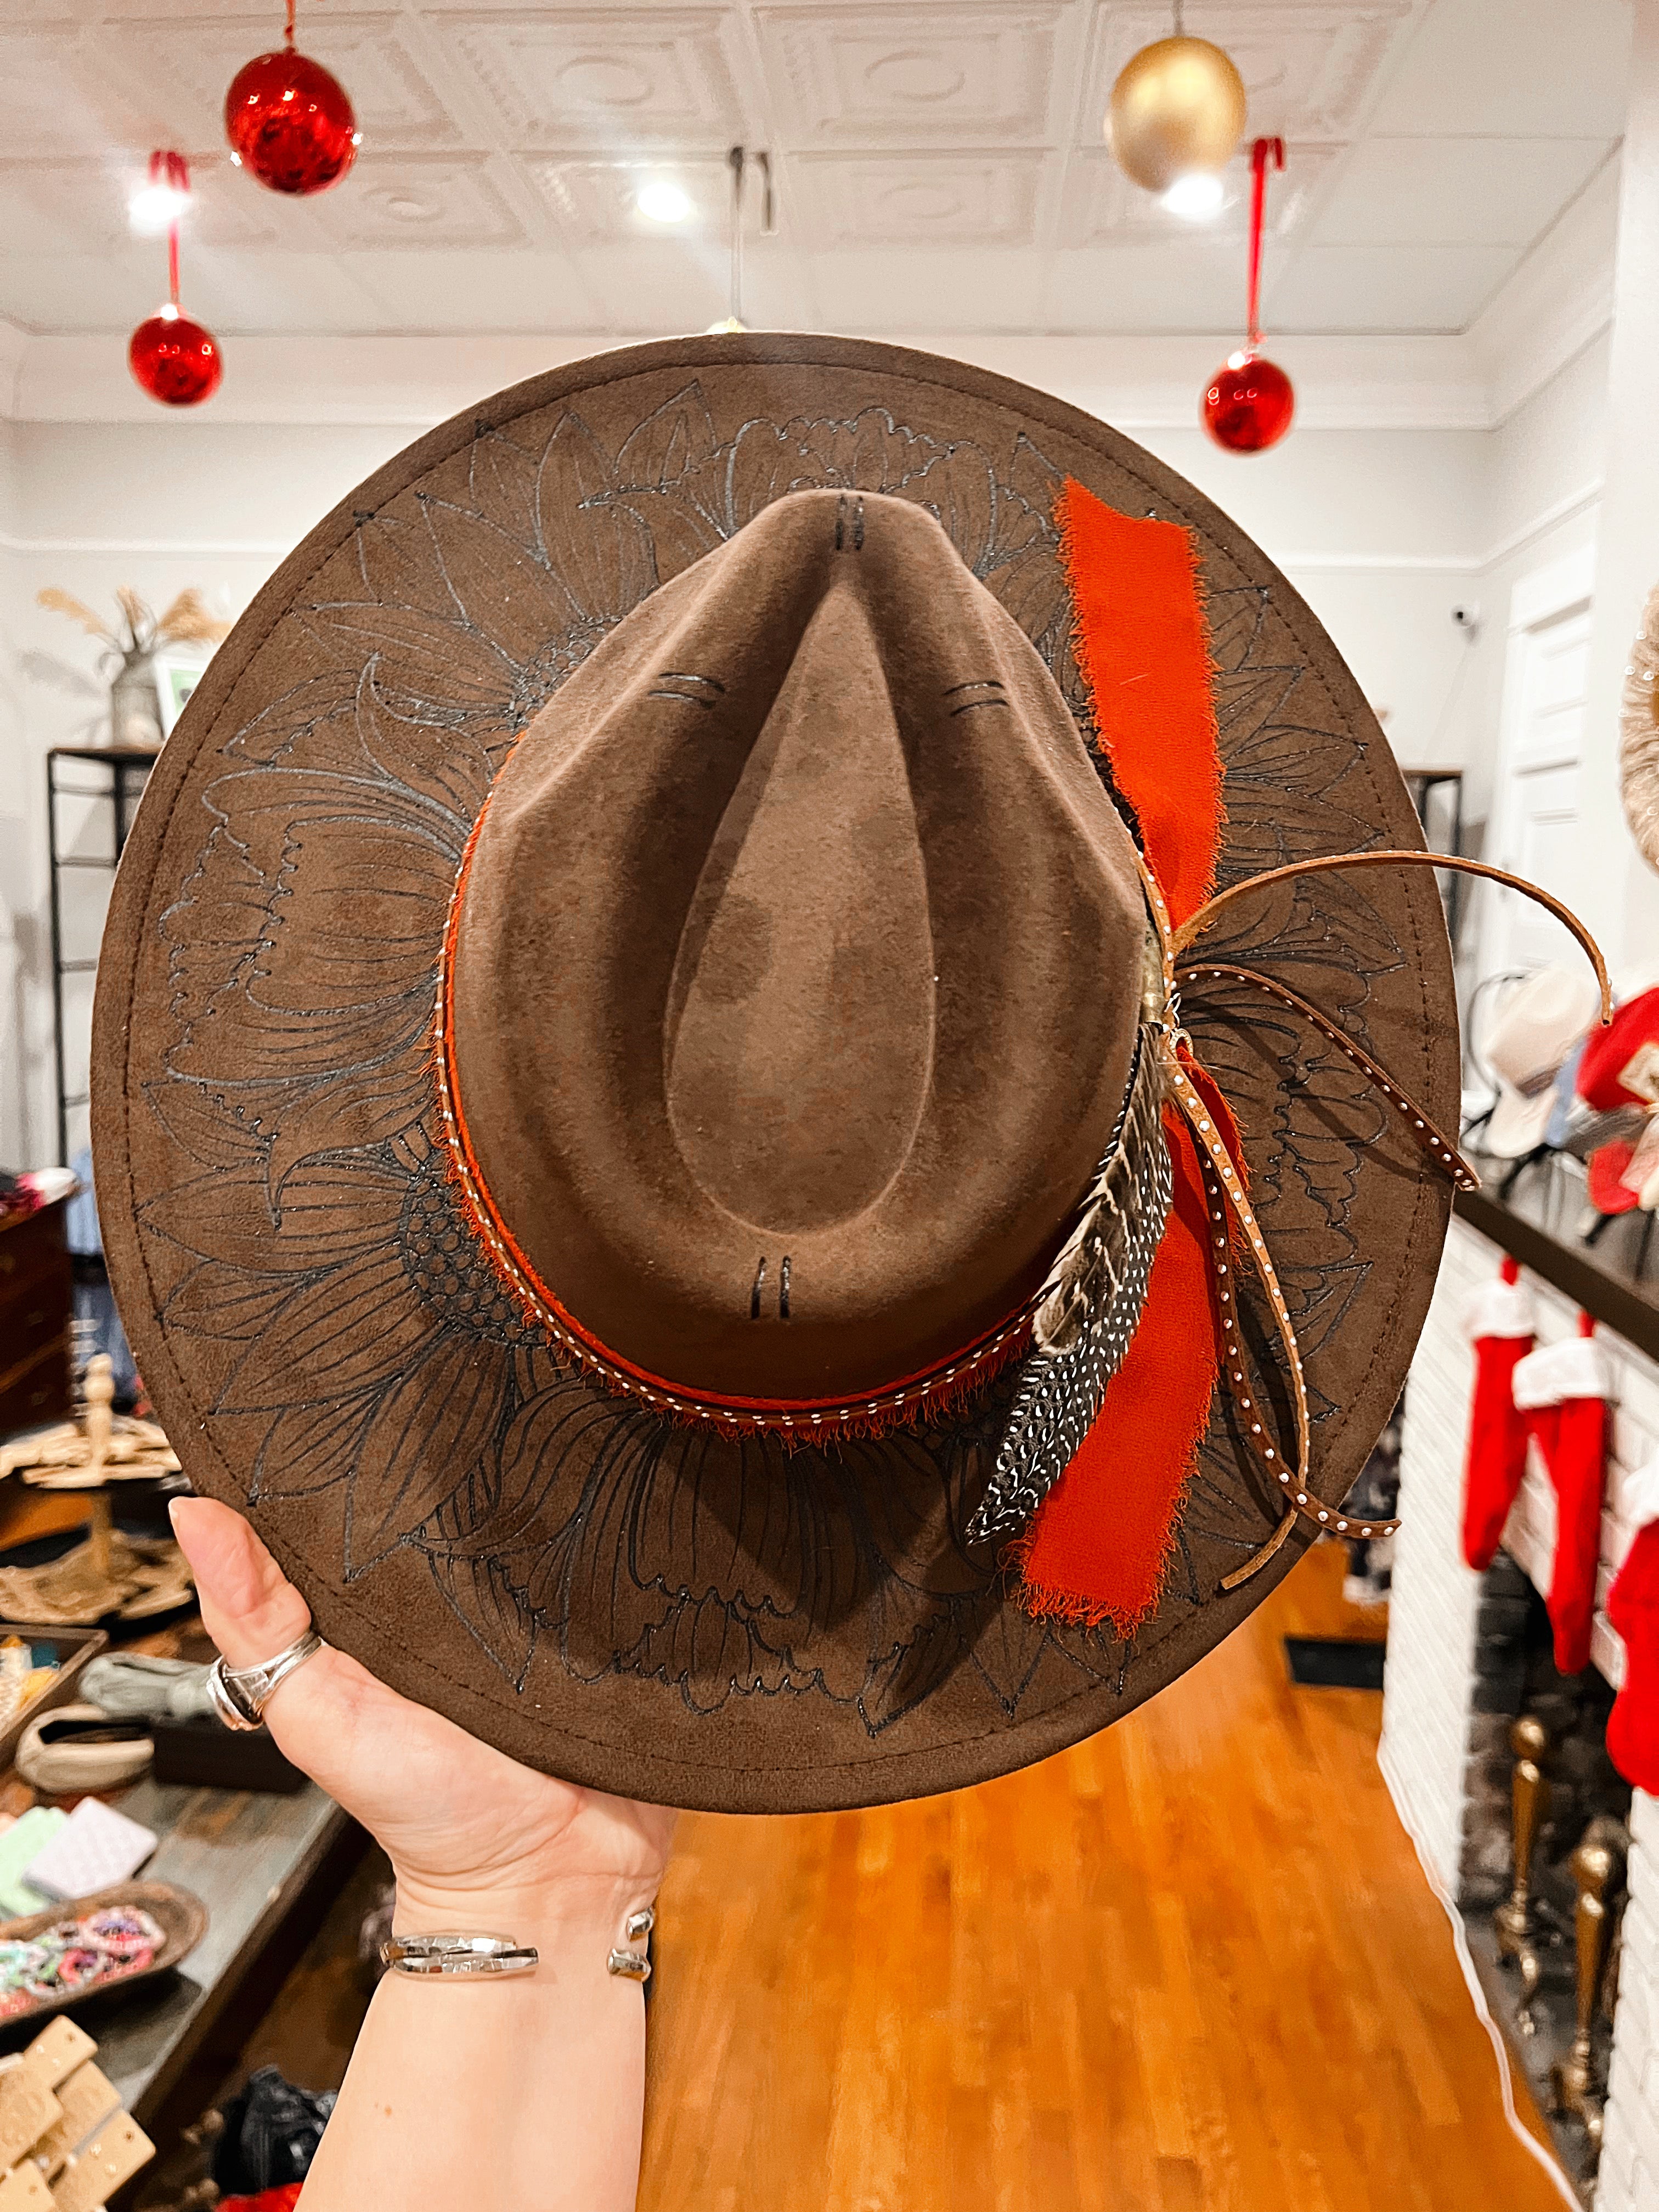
(664, 1081)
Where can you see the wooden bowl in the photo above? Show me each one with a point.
(182, 1919)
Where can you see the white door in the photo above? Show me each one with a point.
(1536, 797)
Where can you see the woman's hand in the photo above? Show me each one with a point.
(468, 1830)
(472, 2094)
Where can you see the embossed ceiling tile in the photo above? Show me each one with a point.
(259, 12)
(180, 70)
(1456, 192)
(73, 292)
(1340, 289)
(1100, 207)
(887, 292)
(81, 207)
(1309, 66)
(622, 76)
(916, 199)
(235, 292)
(483, 290)
(419, 202)
(1195, 284)
(597, 203)
(779, 290)
(1529, 68)
(651, 287)
(915, 74)
(53, 98)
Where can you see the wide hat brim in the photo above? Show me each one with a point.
(708, 1622)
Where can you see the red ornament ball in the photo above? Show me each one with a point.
(290, 124)
(1248, 404)
(175, 359)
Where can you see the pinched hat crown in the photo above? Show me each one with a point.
(793, 979)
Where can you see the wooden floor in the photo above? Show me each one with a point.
(1190, 1966)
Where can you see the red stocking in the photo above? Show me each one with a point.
(1500, 1321)
(1633, 1610)
(1563, 1391)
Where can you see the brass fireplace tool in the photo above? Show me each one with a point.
(1594, 1863)
(1529, 1741)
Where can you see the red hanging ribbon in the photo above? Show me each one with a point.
(1264, 151)
(172, 170)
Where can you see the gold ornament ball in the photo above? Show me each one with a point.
(1176, 106)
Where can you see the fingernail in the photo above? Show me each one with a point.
(180, 1510)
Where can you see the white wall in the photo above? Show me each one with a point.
(1545, 486)
(87, 507)
(1543, 492)
(1382, 531)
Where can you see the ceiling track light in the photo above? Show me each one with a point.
(661, 200)
(738, 161)
(158, 204)
(1197, 197)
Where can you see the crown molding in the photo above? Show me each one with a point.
(1137, 383)
(1150, 383)
(13, 345)
(1559, 301)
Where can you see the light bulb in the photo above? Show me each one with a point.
(661, 201)
(1197, 197)
(156, 208)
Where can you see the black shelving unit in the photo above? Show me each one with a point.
(122, 772)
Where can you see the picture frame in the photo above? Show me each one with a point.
(178, 669)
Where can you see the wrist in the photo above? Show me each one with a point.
(588, 1908)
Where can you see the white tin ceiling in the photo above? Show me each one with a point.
(939, 166)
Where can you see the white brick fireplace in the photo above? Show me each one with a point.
(1429, 1701)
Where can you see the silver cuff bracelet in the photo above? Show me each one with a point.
(454, 1954)
(632, 1965)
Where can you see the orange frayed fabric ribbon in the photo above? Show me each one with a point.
(1098, 1546)
(1144, 650)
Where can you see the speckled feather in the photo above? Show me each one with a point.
(1089, 1310)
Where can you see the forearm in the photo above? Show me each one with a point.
(522, 2092)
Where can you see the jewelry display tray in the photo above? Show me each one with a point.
(182, 1918)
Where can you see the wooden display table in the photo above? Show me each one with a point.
(251, 1857)
(262, 1863)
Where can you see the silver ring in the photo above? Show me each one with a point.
(456, 1954)
(239, 1694)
